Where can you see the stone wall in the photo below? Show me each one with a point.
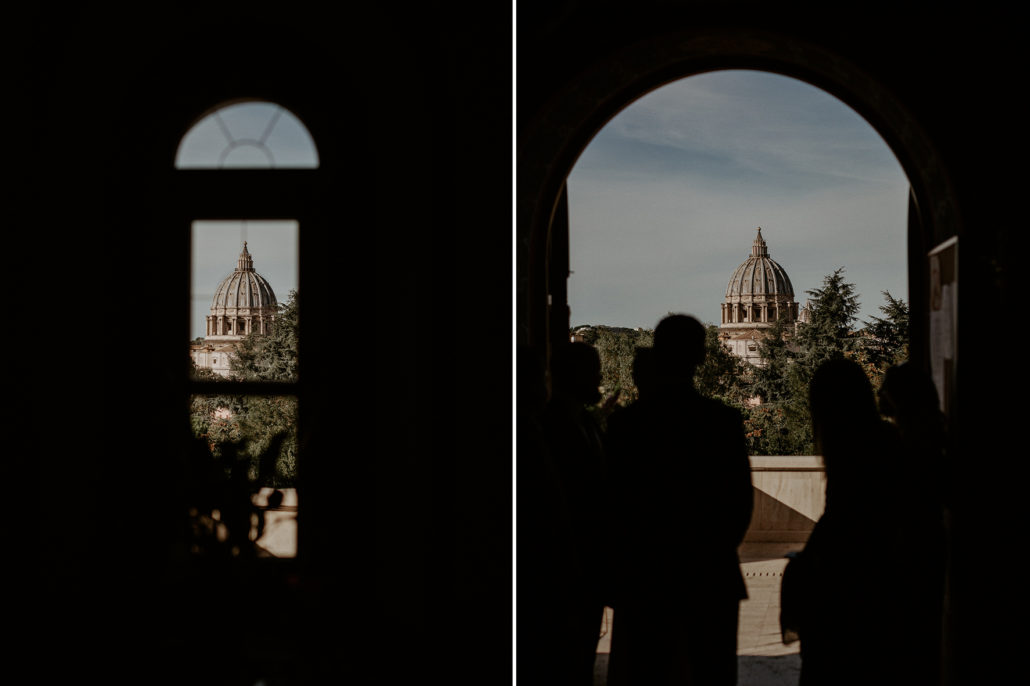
(790, 494)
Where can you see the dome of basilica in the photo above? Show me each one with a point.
(759, 293)
(758, 296)
(759, 275)
(244, 287)
(244, 302)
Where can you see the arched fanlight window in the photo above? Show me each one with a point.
(253, 134)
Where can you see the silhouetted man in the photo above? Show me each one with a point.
(682, 501)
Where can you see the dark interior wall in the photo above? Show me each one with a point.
(423, 182)
(954, 77)
(406, 291)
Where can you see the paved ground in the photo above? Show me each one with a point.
(763, 659)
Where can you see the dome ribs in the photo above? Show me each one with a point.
(759, 291)
(243, 296)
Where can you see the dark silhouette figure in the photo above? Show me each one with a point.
(549, 569)
(575, 455)
(840, 592)
(909, 398)
(643, 376)
(643, 371)
(682, 501)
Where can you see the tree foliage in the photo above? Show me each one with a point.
(617, 348)
(781, 424)
(778, 421)
(773, 397)
(258, 430)
(271, 357)
(829, 334)
(886, 338)
(723, 375)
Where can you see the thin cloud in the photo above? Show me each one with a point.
(745, 122)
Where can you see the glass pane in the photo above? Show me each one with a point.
(243, 300)
(256, 135)
(242, 476)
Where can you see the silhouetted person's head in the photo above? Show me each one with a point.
(842, 404)
(908, 392)
(643, 370)
(576, 372)
(679, 348)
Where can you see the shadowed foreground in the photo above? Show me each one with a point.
(763, 660)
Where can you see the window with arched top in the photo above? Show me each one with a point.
(248, 135)
(245, 174)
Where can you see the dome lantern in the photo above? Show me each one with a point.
(246, 262)
(758, 248)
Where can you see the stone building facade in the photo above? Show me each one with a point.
(759, 294)
(244, 303)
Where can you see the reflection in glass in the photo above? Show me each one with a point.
(255, 135)
(242, 476)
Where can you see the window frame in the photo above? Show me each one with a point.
(251, 194)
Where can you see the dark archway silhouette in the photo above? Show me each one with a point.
(551, 141)
(585, 66)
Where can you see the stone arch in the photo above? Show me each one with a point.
(553, 140)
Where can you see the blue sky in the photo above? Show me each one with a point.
(254, 135)
(665, 201)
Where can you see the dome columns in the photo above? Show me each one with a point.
(754, 313)
(238, 325)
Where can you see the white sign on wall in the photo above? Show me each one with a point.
(943, 318)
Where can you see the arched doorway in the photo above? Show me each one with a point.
(562, 121)
(661, 205)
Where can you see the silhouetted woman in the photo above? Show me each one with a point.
(839, 593)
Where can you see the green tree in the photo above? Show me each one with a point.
(781, 424)
(772, 382)
(617, 348)
(829, 333)
(779, 428)
(260, 430)
(723, 375)
(886, 341)
(271, 357)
